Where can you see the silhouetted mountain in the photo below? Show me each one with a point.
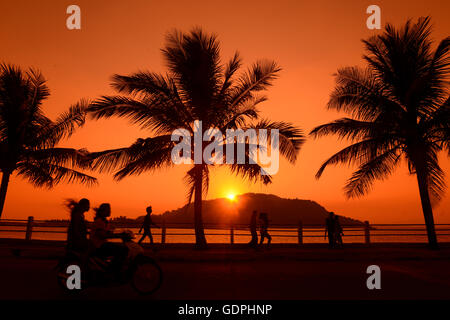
(280, 211)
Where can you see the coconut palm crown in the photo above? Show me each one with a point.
(399, 108)
(197, 86)
(29, 139)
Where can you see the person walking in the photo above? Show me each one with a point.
(338, 231)
(264, 229)
(330, 229)
(146, 225)
(254, 242)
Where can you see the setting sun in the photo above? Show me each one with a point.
(231, 196)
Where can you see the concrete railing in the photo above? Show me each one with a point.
(299, 232)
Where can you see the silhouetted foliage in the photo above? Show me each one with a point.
(399, 107)
(28, 139)
(197, 87)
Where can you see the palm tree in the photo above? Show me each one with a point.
(196, 87)
(399, 107)
(28, 138)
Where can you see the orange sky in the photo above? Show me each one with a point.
(309, 39)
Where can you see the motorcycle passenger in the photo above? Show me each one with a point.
(100, 233)
(77, 232)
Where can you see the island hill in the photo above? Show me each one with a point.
(281, 211)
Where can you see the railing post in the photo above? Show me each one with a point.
(231, 234)
(367, 231)
(163, 232)
(29, 230)
(300, 232)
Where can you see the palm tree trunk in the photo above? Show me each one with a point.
(200, 239)
(426, 206)
(3, 189)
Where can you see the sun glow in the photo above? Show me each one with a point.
(231, 196)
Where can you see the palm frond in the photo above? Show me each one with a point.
(110, 160)
(39, 91)
(358, 153)
(436, 127)
(230, 69)
(345, 128)
(251, 172)
(137, 112)
(148, 161)
(257, 78)
(291, 138)
(150, 112)
(44, 174)
(245, 164)
(358, 93)
(377, 168)
(432, 88)
(237, 118)
(427, 160)
(64, 126)
(59, 156)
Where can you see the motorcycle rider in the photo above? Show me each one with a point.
(101, 231)
(77, 231)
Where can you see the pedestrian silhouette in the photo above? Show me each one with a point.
(147, 226)
(254, 242)
(77, 230)
(338, 231)
(330, 229)
(264, 228)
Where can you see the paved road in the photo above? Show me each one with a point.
(33, 278)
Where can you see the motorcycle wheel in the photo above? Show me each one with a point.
(147, 276)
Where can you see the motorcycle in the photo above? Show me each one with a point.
(141, 271)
